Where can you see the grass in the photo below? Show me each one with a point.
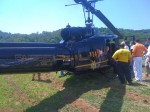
(87, 93)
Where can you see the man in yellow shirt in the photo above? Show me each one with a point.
(122, 58)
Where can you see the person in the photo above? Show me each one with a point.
(132, 43)
(131, 63)
(137, 54)
(62, 74)
(99, 54)
(126, 45)
(39, 76)
(148, 49)
(122, 57)
(110, 49)
(107, 45)
(147, 65)
(147, 42)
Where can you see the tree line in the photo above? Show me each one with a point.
(45, 36)
(55, 37)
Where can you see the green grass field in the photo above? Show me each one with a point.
(87, 93)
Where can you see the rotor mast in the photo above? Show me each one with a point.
(99, 14)
(88, 18)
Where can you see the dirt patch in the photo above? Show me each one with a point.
(100, 94)
(11, 110)
(84, 106)
(138, 98)
(58, 85)
(146, 81)
(20, 96)
(45, 76)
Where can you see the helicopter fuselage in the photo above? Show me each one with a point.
(82, 49)
(87, 54)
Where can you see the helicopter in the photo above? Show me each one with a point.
(82, 49)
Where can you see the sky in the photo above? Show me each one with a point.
(32, 16)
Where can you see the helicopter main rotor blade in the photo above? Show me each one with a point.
(100, 15)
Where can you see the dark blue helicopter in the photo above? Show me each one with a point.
(82, 49)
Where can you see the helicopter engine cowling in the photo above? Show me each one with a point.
(76, 33)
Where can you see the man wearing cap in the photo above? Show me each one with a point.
(137, 54)
(122, 57)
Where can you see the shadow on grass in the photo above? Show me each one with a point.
(146, 80)
(75, 86)
(138, 84)
(45, 81)
(114, 99)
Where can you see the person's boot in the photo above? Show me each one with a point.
(39, 76)
(33, 77)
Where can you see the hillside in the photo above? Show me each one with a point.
(55, 35)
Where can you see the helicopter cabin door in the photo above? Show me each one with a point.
(91, 54)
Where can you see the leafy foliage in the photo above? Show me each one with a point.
(34, 37)
(55, 36)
